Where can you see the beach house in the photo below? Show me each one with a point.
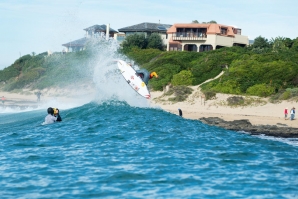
(147, 29)
(204, 37)
(92, 32)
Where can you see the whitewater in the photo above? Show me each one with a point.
(116, 145)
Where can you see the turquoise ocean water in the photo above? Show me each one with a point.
(115, 150)
(115, 145)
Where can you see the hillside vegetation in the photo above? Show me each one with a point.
(267, 68)
(263, 69)
(42, 71)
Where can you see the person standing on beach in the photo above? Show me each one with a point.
(3, 99)
(38, 94)
(286, 113)
(293, 113)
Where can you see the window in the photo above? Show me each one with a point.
(205, 48)
(237, 31)
(223, 31)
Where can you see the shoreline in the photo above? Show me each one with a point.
(264, 118)
(279, 130)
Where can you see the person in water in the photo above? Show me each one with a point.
(180, 112)
(3, 99)
(56, 114)
(51, 118)
(144, 74)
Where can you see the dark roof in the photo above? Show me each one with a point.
(145, 27)
(79, 42)
(100, 28)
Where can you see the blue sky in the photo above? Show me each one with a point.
(38, 25)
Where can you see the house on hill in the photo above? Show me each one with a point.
(203, 37)
(147, 29)
(92, 32)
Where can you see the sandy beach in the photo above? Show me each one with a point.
(194, 107)
(264, 113)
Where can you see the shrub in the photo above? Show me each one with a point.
(293, 91)
(143, 56)
(285, 95)
(165, 74)
(7, 73)
(229, 86)
(183, 78)
(261, 90)
(180, 92)
(235, 100)
(209, 95)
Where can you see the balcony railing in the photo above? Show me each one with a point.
(189, 36)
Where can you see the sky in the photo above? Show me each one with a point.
(38, 25)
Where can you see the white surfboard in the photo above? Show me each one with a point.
(132, 79)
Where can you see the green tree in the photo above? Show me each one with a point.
(212, 21)
(135, 40)
(281, 43)
(195, 21)
(295, 44)
(261, 42)
(155, 41)
(288, 42)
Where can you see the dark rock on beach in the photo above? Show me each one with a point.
(244, 125)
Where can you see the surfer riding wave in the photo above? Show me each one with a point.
(145, 75)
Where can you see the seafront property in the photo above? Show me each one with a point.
(204, 37)
(178, 37)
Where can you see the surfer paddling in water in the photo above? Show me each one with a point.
(144, 74)
(53, 116)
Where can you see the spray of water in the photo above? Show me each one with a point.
(110, 84)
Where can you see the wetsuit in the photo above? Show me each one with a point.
(144, 74)
(59, 119)
(56, 114)
(180, 112)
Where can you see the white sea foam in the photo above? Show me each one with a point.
(290, 141)
(110, 85)
(16, 109)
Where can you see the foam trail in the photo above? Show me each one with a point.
(17, 109)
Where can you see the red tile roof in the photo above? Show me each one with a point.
(211, 28)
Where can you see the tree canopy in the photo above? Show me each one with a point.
(140, 41)
(261, 42)
(212, 21)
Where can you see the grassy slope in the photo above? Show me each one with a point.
(248, 72)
